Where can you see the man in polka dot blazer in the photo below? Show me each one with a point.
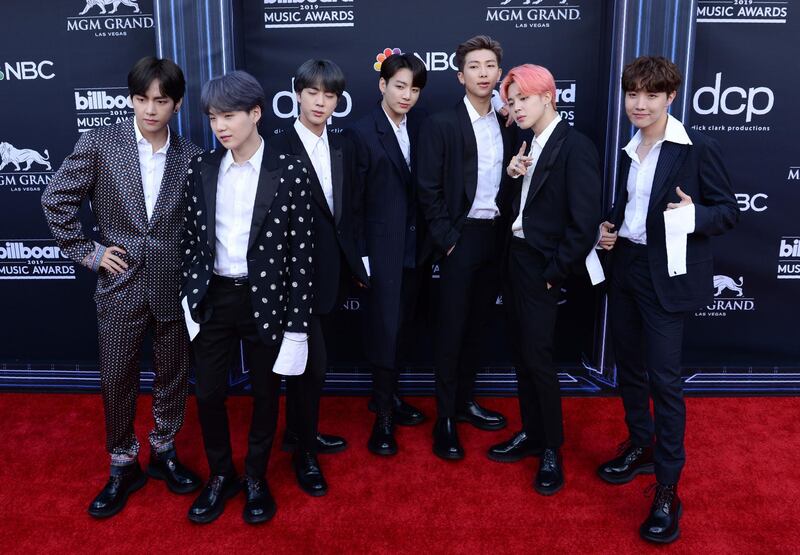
(247, 278)
(133, 173)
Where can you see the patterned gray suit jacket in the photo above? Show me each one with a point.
(104, 167)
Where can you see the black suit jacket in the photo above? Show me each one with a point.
(563, 207)
(337, 245)
(447, 172)
(279, 250)
(389, 188)
(700, 173)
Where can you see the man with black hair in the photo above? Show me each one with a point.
(463, 193)
(134, 174)
(331, 161)
(386, 141)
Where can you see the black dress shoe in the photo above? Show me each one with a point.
(326, 444)
(382, 441)
(481, 418)
(260, 506)
(124, 480)
(210, 504)
(661, 525)
(445, 440)
(309, 474)
(167, 467)
(404, 414)
(629, 462)
(550, 477)
(515, 449)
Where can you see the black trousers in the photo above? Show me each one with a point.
(467, 290)
(533, 309)
(384, 380)
(647, 344)
(215, 349)
(303, 392)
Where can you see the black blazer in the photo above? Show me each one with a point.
(337, 244)
(562, 211)
(279, 264)
(388, 189)
(447, 172)
(700, 173)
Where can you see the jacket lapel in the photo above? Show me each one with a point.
(546, 160)
(297, 149)
(470, 152)
(669, 161)
(209, 171)
(390, 143)
(337, 176)
(169, 181)
(133, 189)
(268, 183)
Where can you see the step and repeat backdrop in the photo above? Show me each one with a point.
(63, 69)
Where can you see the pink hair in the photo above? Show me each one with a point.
(531, 79)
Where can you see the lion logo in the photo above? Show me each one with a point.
(19, 156)
(103, 3)
(721, 283)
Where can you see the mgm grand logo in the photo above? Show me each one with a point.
(533, 14)
(102, 18)
(24, 169)
(728, 297)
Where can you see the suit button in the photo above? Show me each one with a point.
(338, 232)
(413, 228)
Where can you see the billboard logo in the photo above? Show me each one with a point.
(381, 57)
(292, 111)
(742, 11)
(27, 70)
(789, 258)
(33, 259)
(98, 107)
(294, 14)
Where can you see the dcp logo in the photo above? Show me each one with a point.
(755, 101)
(27, 70)
(279, 105)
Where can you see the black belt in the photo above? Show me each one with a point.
(230, 281)
(480, 221)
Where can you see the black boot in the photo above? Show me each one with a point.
(260, 505)
(326, 444)
(166, 466)
(550, 477)
(515, 449)
(404, 413)
(382, 441)
(661, 525)
(210, 504)
(629, 462)
(124, 480)
(480, 417)
(309, 473)
(445, 440)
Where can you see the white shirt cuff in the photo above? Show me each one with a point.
(365, 261)
(678, 224)
(293, 354)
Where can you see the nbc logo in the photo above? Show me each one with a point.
(381, 57)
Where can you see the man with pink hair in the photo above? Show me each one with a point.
(555, 214)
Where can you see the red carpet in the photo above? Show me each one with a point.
(740, 488)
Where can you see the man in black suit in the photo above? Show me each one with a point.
(462, 191)
(331, 161)
(246, 278)
(386, 141)
(672, 196)
(554, 218)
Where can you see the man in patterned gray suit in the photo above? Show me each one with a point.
(134, 174)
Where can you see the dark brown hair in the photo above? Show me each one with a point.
(479, 42)
(651, 73)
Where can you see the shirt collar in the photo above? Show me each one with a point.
(674, 133)
(254, 162)
(395, 127)
(308, 137)
(473, 113)
(140, 140)
(541, 138)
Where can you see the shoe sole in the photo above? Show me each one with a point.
(216, 514)
(503, 459)
(667, 539)
(618, 481)
(291, 447)
(154, 472)
(261, 519)
(313, 493)
(382, 452)
(448, 456)
(548, 492)
(137, 485)
(484, 427)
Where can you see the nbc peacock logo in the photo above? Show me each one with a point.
(381, 57)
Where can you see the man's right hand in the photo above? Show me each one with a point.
(112, 262)
(607, 236)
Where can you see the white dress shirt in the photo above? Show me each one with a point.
(640, 180)
(490, 162)
(537, 146)
(236, 195)
(151, 167)
(401, 132)
(319, 152)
